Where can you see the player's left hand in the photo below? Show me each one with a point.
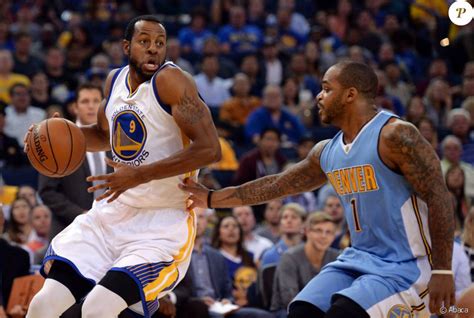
(167, 308)
(441, 292)
(125, 177)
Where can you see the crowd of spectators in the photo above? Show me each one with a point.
(258, 64)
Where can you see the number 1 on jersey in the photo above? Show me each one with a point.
(355, 215)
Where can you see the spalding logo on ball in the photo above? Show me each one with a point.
(56, 147)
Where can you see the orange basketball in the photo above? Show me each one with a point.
(56, 147)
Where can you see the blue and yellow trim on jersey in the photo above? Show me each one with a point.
(416, 210)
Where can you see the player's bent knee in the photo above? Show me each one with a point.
(345, 307)
(299, 309)
(42, 307)
(94, 304)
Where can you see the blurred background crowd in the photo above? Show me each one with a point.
(258, 65)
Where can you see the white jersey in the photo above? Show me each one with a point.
(142, 131)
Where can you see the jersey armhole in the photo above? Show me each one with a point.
(114, 78)
(378, 147)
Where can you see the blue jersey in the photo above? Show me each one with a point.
(385, 217)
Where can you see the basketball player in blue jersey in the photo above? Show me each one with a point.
(135, 243)
(396, 205)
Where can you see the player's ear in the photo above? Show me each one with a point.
(126, 47)
(351, 94)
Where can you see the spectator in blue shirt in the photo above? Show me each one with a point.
(239, 38)
(291, 227)
(192, 37)
(272, 115)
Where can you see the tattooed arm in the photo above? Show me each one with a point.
(177, 89)
(403, 148)
(303, 176)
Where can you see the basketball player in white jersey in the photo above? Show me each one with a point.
(135, 244)
(396, 205)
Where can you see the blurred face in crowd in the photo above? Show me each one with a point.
(174, 49)
(304, 148)
(41, 220)
(245, 217)
(237, 17)
(311, 51)
(210, 66)
(290, 89)
(321, 235)
(21, 211)
(40, 83)
(147, 49)
(393, 73)
(6, 62)
(460, 126)
(229, 232)
(298, 64)
(269, 143)
(438, 90)
(55, 58)
(334, 208)
(455, 178)
(87, 105)
(241, 85)
(28, 193)
(386, 52)
(20, 98)
(452, 150)
(468, 80)
(415, 108)
(23, 45)
(250, 65)
(291, 222)
(201, 222)
(272, 212)
(426, 130)
(438, 68)
(272, 98)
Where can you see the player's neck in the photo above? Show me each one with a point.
(135, 80)
(355, 121)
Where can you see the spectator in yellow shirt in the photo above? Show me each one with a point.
(7, 78)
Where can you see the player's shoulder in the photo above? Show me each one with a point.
(171, 76)
(109, 81)
(397, 129)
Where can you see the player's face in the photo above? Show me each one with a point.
(229, 231)
(291, 222)
(147, 49)
(321, 235)
(87, 106)
(329, 100)
(41, 220)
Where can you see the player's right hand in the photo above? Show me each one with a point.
(197, 193)
(30, 129)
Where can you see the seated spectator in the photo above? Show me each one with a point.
(239, 38)
(27, 192)
(459, 121)
(333, 207)
(438, 101)
(192, 37)
(250, 66)
(212, 88)
(14, 262)
(19, 230)
(11, 154)
(227, 67)
(7, 78)
(271, 227)
(264, 160)
(207, 272)
(253, 242)
(20, 113)
(461, 270)
(301, 263)
(273, 115)
(292, 217)
(173, 51)
(236, 110)
(415, 110)
(467, 240)
(228, 238)
(41, 223)
(427, 129)
(25, 62)
(40, 95)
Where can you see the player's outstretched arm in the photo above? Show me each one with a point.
(97, 135)
(403, 148)
(303, 176)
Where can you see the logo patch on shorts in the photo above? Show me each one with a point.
(399, 311)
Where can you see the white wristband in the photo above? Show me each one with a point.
(442, 272)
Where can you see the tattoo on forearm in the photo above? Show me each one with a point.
(189, 110)
(421, 168)
(304, 176)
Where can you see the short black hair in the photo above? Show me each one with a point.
(270, 129)
(15, 86)
(88, 85)
(130, 29)
(358, 75)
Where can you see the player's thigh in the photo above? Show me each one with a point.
(320, 289)
(385, 297)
